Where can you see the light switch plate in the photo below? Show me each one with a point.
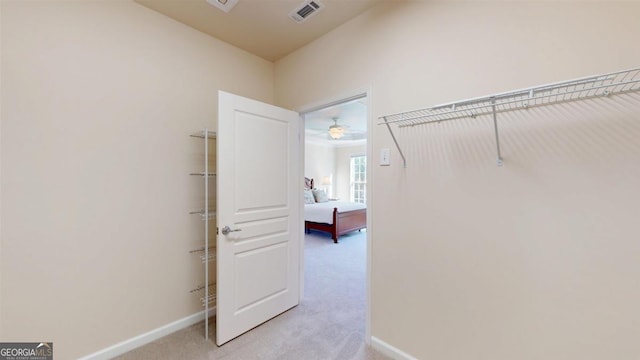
(384, 157)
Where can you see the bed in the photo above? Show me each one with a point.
(335, 217)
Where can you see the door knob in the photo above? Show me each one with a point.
(226, 230)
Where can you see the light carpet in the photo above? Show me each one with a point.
(329, 323)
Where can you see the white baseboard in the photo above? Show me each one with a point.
(143, 339)
(390, 351)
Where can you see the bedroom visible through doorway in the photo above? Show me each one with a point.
(335, 167)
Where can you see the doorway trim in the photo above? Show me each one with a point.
(365, 93)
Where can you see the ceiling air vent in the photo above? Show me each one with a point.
(306, 10)
(224, 5)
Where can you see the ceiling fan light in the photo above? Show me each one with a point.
(336, 131)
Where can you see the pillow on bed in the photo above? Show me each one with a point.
(308, 197)
(320, 195)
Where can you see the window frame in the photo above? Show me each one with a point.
(358, 178)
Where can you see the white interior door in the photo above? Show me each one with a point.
(258, 199)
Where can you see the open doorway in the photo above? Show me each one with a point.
(336, 274)
(333, 136)
(335, 168)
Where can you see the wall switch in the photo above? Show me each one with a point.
(384, 157)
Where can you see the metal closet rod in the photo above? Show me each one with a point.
(564, 91)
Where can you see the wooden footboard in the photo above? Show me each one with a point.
(343, 222)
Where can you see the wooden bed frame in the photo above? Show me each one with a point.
(343, 222)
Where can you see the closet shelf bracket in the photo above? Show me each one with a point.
(495, 129)
(404, 160)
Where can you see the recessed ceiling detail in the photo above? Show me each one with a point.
(339, 125)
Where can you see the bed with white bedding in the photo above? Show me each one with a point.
(334, 217)
(323, 212)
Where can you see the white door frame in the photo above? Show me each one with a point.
(353, 95)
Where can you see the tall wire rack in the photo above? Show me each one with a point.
(207, 253)
(565, 91)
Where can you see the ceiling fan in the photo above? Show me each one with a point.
(336, 131)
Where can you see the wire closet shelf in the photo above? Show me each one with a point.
(565, 91)
(207, 253)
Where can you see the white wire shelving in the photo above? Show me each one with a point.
(206, 215)
(204, 134)
(208, 252)
(210, 297)
(202, 173)
(205, 254)
(565, 91)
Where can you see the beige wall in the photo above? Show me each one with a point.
(537, 259)
(343, 169)
(322, 160)
(319, 161)
(98, 101)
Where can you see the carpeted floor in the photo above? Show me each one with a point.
(329, 323)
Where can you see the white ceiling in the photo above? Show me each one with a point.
(352, 116)
(261, 27)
